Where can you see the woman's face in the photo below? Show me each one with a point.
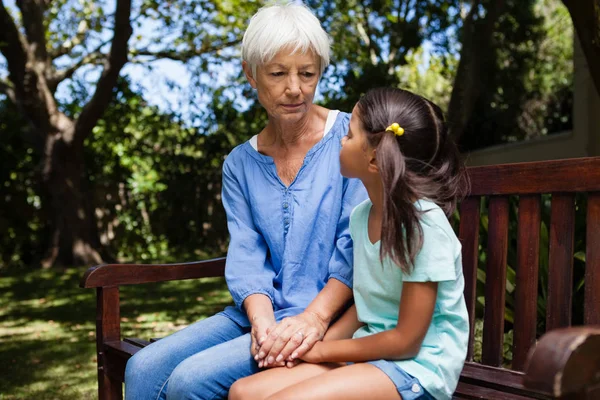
(286, 85)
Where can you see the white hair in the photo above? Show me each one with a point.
(281, 25)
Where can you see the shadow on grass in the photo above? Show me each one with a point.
(47, 333)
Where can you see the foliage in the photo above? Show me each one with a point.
(528, 82)
(374, 39)
(22, 218)
(153, 176)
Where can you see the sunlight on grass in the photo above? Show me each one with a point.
(47, 328)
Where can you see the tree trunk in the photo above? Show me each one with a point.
(33, 80)
(585, 15)
(476, 53)
(74, 239)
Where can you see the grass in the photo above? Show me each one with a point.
(47, 327)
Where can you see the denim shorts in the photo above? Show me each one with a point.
(408, 386)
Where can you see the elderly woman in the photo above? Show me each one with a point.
(289, 263)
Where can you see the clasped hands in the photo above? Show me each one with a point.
(284, 343)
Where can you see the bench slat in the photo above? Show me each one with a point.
(560, 273)
(495, 282)
(592, 261)
(137, 342)
(500, 379)
(572, 175)
(469, 237)
(117, 354)
(528, 251)
(471, 392)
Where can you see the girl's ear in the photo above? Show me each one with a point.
(248, 73)
(372, 155)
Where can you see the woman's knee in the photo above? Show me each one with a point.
(195, 378)
(139, 363)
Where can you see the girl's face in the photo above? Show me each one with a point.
(356, 155)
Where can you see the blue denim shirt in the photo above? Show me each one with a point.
(286, 242)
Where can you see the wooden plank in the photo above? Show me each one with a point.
(492, 375)
(117, 354)
(572, 175)
(500, 379)
(592, 261)
(137, 342)
(560, 273)
(528, 251)
(108, 328)
(472, 392)
(495, 282)
(469, 238)
(130, 274)
(565, 361)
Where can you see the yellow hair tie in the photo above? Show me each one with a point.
(396, 129)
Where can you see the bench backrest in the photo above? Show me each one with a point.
(528, 187)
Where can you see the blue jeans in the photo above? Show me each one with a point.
(201, 361)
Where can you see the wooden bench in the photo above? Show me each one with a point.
(563, 363)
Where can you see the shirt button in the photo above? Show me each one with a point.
(285, 205)
(415, 388)
(287, 221)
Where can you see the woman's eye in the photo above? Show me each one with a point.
(276, 73)
(308, 74)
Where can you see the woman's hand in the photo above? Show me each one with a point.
(261, 326)
(259, 332)
(291, 339)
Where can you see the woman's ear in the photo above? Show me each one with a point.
(248, 73)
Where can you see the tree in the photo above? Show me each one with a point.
(586, 19)
(515, 74)
(33, 80)
(50, 42)
(373, 39)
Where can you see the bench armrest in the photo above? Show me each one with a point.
(565, 361)
(109, 275)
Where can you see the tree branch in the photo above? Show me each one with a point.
(69, 44)
(13, 46)
(28, 93)
(33, 21)
(92, 58)
(8, 90)
(178, 55)
(366, 34)
(117, 58)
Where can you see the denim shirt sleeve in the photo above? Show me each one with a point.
(246, 270)
(341, 261)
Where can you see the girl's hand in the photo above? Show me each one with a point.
(313, 355)
(291, 338)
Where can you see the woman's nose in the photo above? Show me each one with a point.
(293, 87)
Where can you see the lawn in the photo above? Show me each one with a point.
(47, 331)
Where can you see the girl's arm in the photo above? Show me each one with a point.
(416, 310)
(344, 327)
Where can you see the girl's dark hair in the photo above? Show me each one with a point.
(422, 163)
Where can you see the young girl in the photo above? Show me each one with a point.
(409, 326)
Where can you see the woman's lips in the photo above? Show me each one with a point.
(292, 106)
